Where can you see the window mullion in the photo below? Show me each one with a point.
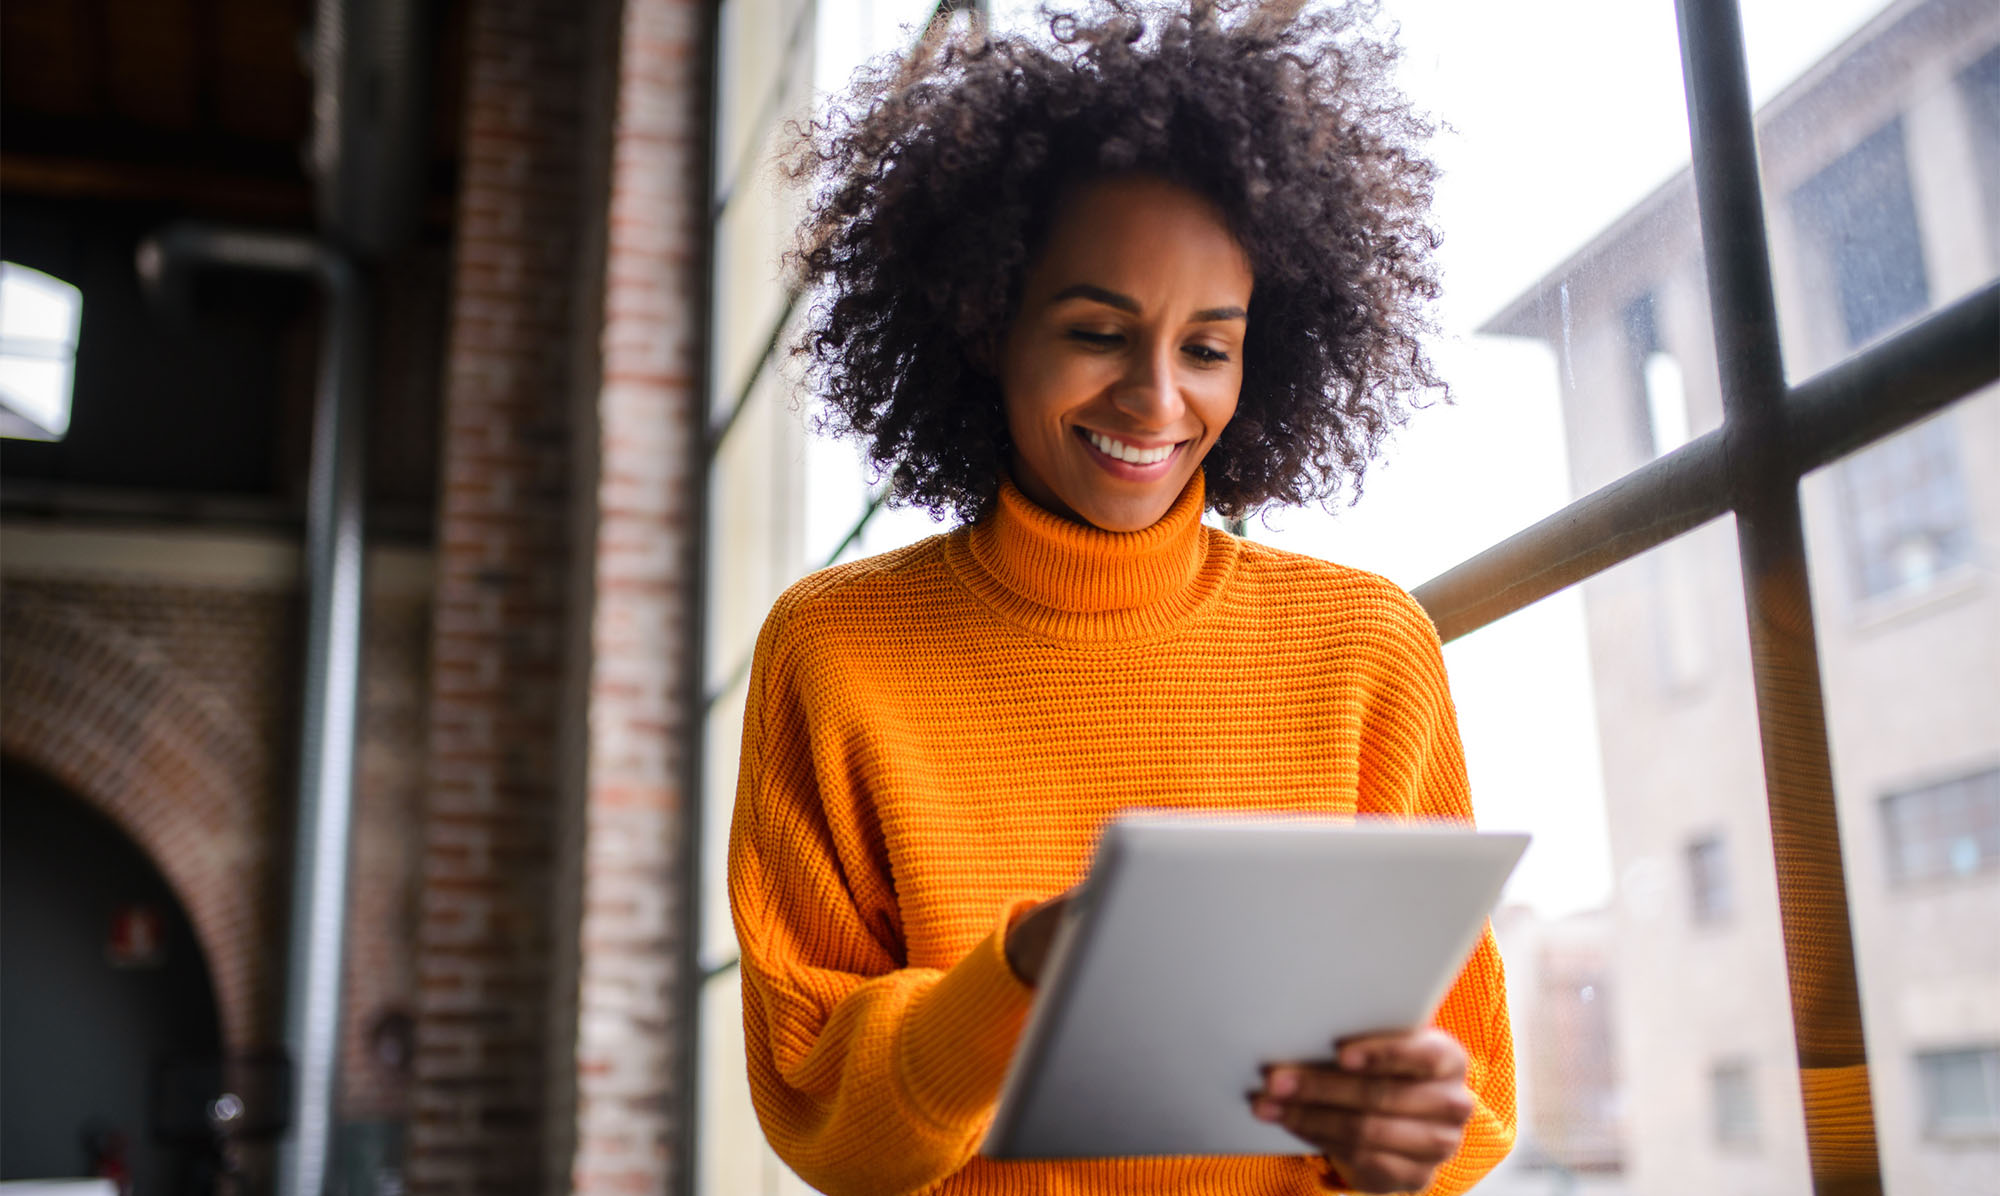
(1791, 716)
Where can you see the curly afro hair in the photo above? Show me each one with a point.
(935, 182)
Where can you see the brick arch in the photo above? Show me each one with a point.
(114, 721)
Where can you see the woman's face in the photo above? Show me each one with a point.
(1125, 360)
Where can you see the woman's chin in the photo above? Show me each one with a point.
(1125, 513)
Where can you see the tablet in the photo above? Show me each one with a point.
(1202, 947)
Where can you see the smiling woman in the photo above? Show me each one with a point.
(1077, 291)
(940, 178)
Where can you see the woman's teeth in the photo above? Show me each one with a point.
(1120, 451)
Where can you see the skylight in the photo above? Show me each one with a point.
(39, 319)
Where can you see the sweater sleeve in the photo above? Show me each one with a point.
(1414, 769)
(868, 1076)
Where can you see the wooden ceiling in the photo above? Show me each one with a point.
(201, 105)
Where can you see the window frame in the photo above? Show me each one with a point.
(1772, 434)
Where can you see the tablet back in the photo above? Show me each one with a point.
(1202, 948)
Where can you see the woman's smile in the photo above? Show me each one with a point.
(1119, 455)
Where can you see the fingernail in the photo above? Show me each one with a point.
(1265, 1110)
(1283, 1083)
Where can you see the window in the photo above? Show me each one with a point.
(1710, 898)
(1861, 210)
(39, 318)
(1733, 1098)
(1855, 193)
(1961, 1092)
(1656, 378)
(1946, 830)
(1903, 511)
(1979, 85)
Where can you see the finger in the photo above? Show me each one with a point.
(1434, 1100)
(1428, 1054)
(1349, 1135)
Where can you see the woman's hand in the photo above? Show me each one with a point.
(1385, 1114)
(1029, 938)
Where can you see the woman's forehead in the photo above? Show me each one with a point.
(1141, 234)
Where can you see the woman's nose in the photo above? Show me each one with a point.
(1150, 393)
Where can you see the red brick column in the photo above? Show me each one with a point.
(485, 960)
(628, 1103)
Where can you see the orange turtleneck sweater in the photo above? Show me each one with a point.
(934, 738)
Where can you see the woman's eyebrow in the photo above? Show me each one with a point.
(1126, 303)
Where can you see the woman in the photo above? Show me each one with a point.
(1076, 294)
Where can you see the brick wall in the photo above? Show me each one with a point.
(485, 965)
(172, 707)
(628, 1104)
(549, 921)
(157, 708)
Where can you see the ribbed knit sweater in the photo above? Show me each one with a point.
(933, 740)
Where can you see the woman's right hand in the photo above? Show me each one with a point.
(1029, 937)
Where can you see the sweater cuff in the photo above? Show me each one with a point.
(961, 1034)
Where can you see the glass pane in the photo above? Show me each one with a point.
(765, 55)
(836, 494)
(1911, 672)
(1587, 283)
(734, 1159)
(722, 729)
(754, 526)
(895, 527)
(751, 238)
(852, 31)
(1879, 136)
(1646, 967)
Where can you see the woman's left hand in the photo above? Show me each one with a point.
(1385, 1114)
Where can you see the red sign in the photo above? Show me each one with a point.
(138, 938)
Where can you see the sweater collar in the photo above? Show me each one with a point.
(1069, 579)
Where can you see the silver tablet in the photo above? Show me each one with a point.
(1203, 947)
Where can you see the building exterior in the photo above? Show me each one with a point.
(1881, 180)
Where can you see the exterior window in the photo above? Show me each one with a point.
(1904, 510)
(1708, 881)
(1980, 85)
(1961, 1092)
(1735, 1103)
(1861, 211)
(1952, 829)
(1656, 378)
(39, 318)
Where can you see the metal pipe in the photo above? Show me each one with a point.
(334, 573)
(1937, 361)
(1649, 506)
(1940, 359)
(1791, 717)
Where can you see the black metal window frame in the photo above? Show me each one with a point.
(1772, 434)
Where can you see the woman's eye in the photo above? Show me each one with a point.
(1207, 355)
(1103, 339)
